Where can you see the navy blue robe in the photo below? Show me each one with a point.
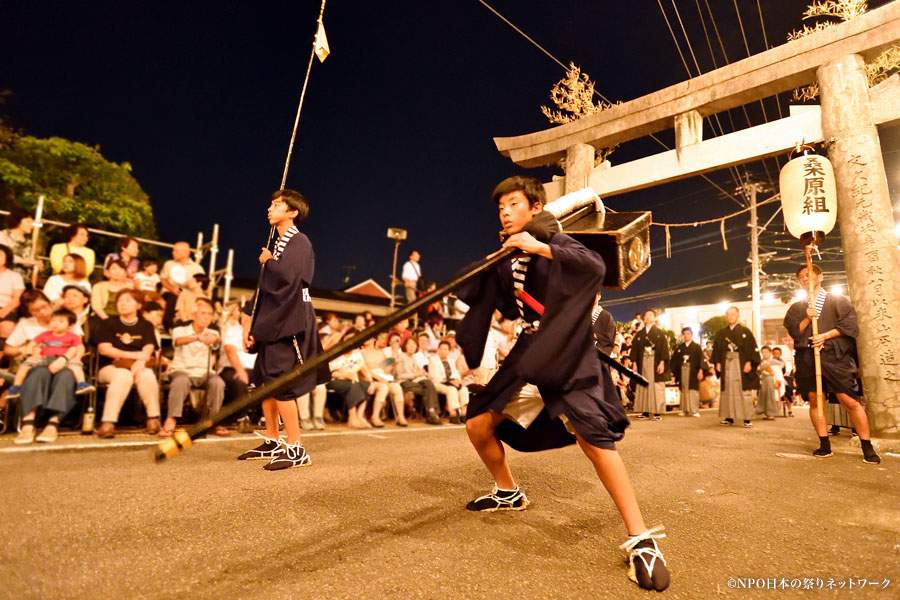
(838, 355)
(285, 315)
(559, 358)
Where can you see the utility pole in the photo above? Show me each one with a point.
(750, 190)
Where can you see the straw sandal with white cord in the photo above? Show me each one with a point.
(646, 563)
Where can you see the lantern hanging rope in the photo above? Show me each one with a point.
(719, 220)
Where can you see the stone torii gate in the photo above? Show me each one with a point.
(848, 118)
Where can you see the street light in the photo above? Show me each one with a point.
(398, 235)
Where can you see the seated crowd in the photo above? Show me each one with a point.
(155, 336)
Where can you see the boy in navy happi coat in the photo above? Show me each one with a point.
(284, 331)
(551, 390)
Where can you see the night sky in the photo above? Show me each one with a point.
(397, 126)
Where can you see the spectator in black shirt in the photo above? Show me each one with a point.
(126, 343)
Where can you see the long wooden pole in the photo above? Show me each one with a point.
(820, 404)
(182, 439)
(35, 235)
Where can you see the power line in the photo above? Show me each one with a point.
(602, 97)
(735, 176)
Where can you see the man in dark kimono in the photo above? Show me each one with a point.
(284, 331)
(736, 358)
(550, 391)
(687, 360)
(838, 328)
(650, 355)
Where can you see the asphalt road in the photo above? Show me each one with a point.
(382, 515)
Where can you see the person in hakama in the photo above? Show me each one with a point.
(687, 363)
(650, 355)
(284, 333)
(838, 328)
(736, 359)
(767, 404)
(550, 391)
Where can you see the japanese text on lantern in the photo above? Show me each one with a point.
(813, 186)
(861, 193)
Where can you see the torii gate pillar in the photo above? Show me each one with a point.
(579, 164)
(867, 234)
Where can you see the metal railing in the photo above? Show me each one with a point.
(199, 251)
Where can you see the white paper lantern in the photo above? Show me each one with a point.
(808, 196)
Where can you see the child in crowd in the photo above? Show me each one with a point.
(51, 345)
(147, 279)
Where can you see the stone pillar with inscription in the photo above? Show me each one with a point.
(867, 233)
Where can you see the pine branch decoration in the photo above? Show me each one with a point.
(573, 96)
(877, 70)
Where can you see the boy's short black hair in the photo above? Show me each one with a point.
(444, 343)
(769, 348)
(815, 269)
(530, 186)
(149, 261)
(68, 314)
(152, 307)
(295, 201)
(683, 329)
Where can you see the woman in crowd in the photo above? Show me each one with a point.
(103, 296)
(77, 236)
(17, 237)
(351, 380)
(11, 287)
(413, 378)
(73, 272)
(49, 389)
(128, 254)
(382, 383)
(126, 343)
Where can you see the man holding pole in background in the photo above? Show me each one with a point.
(838, 329)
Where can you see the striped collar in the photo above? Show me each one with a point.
(283, 240)
(820, 302)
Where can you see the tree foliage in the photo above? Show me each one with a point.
(712, 326)
(77, 182)
(828, 13)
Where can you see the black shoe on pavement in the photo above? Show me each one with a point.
(293, 455)
(871, 458)
(823, 453)
(432, 418)
(268, 450)
(454, 420)
(835, 430)
(499, 500)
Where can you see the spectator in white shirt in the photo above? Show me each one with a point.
(73, 272)
(411, 274)
(11, 287)
(447, 381)
(147, 279)
(193, 366)
(421, 356)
